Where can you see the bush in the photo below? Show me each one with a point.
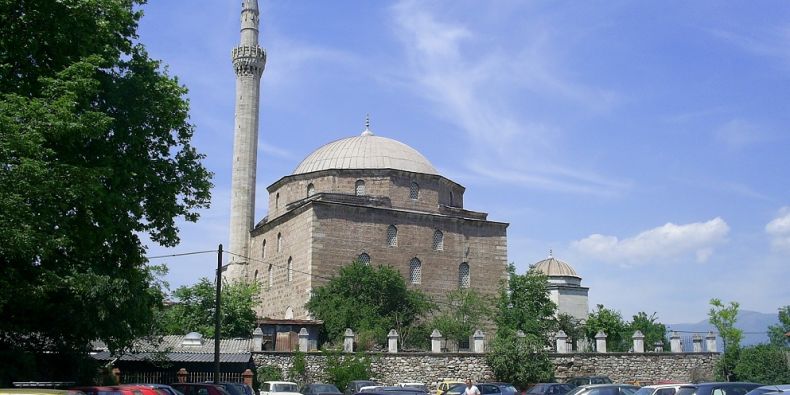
(269, 373)
(342, 369)
(763, 364)
(298, 371)
(520, 361)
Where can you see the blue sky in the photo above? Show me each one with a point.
(646, 143)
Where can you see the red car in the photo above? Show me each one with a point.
(119, 390)
(199, 389)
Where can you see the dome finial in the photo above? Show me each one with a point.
(367, 131)
(551, 253)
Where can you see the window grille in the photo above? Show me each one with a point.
(364, 259)
(290, 270)
(463, 275)
(415, 271)
(414, 191)
(271, 276)
(392, 236)
(438, 240)
(310, 189)
(359, 188)
(279, 242)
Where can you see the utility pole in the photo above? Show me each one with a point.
(217, 315)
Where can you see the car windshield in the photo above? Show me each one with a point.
(234, 389)
(644, 391)
(628, 390)
(284, 388)
(508, 390)
(417, 386)
(686, 391)
(575, 390)
(457, 388)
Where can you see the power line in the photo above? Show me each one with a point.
(181, 254)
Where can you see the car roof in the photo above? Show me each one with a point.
(780, 387)
(660, 386)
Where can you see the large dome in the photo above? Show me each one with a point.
(554, 267)
(366, 152)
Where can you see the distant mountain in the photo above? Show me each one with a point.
(754, 325)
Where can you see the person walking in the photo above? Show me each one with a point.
(470, 388)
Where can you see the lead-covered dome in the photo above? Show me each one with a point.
(554, 267)
(366, 152)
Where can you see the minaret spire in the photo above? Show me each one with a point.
(249, 61)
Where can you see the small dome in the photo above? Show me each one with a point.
(555, 267)
(367, 151)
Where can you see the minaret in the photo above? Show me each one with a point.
(249, 61)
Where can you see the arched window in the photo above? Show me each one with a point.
(263, 249)
(289, 313)
(392, 236)
(277, 200)
(438, 240)
(255, 277)
(415, 271)
(364, 259)
(279, 242)
(310, 189)
(414, 191)
(290, 270)
(463, 275)
(359, 188)
(271, 276)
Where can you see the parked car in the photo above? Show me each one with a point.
(119, 390)
(493, 388)
(415, 386)
(587, 380)
(279, 388)
(445, 384)
(168, 390)
(549, 389)
(235, 388)
(660, 389)
(717, 388)
(390, 390)
(604, 389)
(769, 389)
(320, 389)
(356, 385)
(38, 391)
(200, 389)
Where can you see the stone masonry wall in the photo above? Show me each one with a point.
(429, 368)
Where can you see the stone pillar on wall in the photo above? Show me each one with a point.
(710, 342)
(674, 342)
(520, 334)
(303, 340)
(479, 339)
(600, 341)
(348, 340)
(562, 342)
(392, 341)
(639, 341)
(257, 339)
(658, 346)
(697, 343)
(247, 377)
(436, 341)
(182, 375)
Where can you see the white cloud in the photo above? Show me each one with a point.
(779, 229)
(472, 89)
(738, 133)
(660, 243)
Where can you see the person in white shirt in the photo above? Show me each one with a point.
(471, 389)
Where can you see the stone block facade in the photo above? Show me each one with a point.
(430, 368)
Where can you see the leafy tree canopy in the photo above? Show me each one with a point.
(464, 312)
(654, 331)
(194, 307)
(572, 327)
(763, 363)
(776, 333)
(94, 151)
(618, 338)
(367, 299)
(724, 318)
(525, 304)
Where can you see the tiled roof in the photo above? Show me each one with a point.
(170, 348)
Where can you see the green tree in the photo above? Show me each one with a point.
(723, 318)
(367, 299)
(94, 152)
(611, 323)
(464, 312)
(341, 369)
(193, 310)
(763, 363)
(653, 330)
(777, 333)
(572, 327)
(523, 305)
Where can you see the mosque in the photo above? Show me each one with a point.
(367, 198)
